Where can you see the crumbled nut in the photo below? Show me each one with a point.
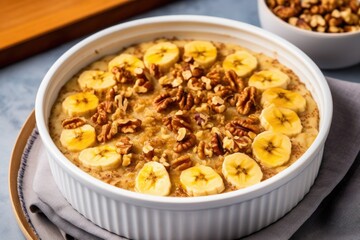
(216, 144)
(122, 75)
(74, 122)
(128, 125)
(181, 134)
(204, 150)
(241, 127)
(207, 82)
(217, 104)
(184, 99)
(163, 101)
(202, 119)
(317, 20)
(246, 100)
(215, 76)
(142, 83)
(286, 12)
(165, 81)
(108, 131)
(110, 94)
(107, 106)
(176, 82)
(155, 70)
(228, 144)
(196, 71)
(186, 74)
(181, 163)
(236, 83)
(188, 142)
(124, 145)
(173, 123)
(99, 118)
(148, 150)
(243, 143)
(121, 102)
(126, 159)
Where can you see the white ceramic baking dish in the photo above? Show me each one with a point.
(223, 216)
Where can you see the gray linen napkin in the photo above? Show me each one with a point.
(341, 149)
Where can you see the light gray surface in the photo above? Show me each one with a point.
(19, 83)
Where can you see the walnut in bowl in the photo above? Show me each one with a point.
(328, 31)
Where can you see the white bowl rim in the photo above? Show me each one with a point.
(307, 32)
(177, 203)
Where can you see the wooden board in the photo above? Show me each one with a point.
(14, 166)
(31, 26)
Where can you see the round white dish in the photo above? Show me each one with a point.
(327, 50)
(223, 216)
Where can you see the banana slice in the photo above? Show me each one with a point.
(242, 62)
(283, 98)
(203, 52)
(153, 179)
(80, 104)
(269, 79)
(100, 158)
(271, 149)
(97, 80)
(281, 120)
(79, 138)
(241, 171)
(163, 54)
(127, 61)
(201, 181)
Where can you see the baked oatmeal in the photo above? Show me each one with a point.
(182, 118)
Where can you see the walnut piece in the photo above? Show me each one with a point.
(108, 131)
(124, 145)
(216, 144)
(99, 118)
(122, 75)
(142, 83)
(242, 127)
(188, 141)
(181, 163)
(184, 99)
(128, 125)
(242, 144)
(236, 83)
(148, 151)
(74, 122)
(163, 101)
(246, 100)
(204, 150)
(217, 104)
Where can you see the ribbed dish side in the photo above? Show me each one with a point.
(227, 222)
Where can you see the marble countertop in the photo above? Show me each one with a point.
(19, 83)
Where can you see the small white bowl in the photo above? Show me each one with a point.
(327, 50)
(222, 216)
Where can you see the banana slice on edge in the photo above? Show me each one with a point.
(242, 62)
(269, 79)
(127, 61)
(201, 181)
(283, 98)
(241, 171)
(100, 158)
(271, 149)
(80, 104)
(281, 120)
(153, 179)
(203, 52)
(163, 54)
(97, 80)
(79, 138)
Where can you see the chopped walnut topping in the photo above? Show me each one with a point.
(236, 83)
(126, 159)
(188, 141)
(155, 70)
(142, 83)
(178, 121)
(107, 106)
(108, 131)
(216, 144)
(99, 118)
(110, 94)
(246, 100)
(121, 102)
(124, 145)
(181, 163)
(241, 127)
(204, 150)
(184, 99)
(202, 120)
(217, 104)
(186, 74)
(181, 134)
(215, 76)
(128, 125)
(122, 75)
(74, 122)
(148, 151)
(163, 101)
(243, 143)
